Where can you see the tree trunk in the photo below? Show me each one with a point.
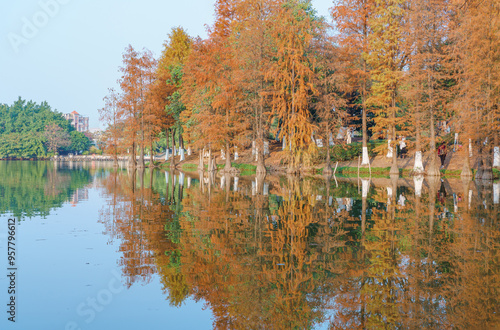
(486, 157)
(365, 157)
(167, 147)
(132, 162)
(496, 138)
(394, 167)
(496, 155)
(291, 164)
(328, 167)
(200, 165)
(433, 168)
(151, 157)
(141, 157)
(172, 161)
(214, 164)
(261, 167)
(228, 168)
(418, 166)
(141, 147)
(466, 172)
(487, 152)
(209, 160)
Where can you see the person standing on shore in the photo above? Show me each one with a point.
(402, 147)
(442, 153)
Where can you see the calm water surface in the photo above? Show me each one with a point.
(98, 248)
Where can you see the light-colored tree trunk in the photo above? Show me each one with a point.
(496, 155)
(172, 161)
(394, 167)
(418, 166)
(209, 168)
(200, 165)
(328, 167)
(365, 158)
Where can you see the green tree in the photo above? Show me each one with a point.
(23, 133)
(79, 142)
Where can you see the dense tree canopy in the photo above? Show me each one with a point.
(29, 130)
(274, 69)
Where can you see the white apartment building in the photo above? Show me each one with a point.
(79, 122)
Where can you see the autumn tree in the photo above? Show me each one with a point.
(109, 114)
(428, 77)
(253, 43)
(331, 84)
(209, 89)
(152, 117)
(351, 19)
(426, 30)
(476, 54)
(387, 58)
(129, 103)
(292, 75)
(135, 83)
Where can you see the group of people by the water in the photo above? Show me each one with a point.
(403, 150)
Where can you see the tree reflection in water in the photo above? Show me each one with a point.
(32, 189)
(283, 253)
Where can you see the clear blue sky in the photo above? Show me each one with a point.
(70, 56)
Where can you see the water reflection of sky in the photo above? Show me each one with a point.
(65, 259)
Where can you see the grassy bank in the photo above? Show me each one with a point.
(385, 172)
(249, 169)
(245, 169)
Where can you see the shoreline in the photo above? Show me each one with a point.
(380, 166)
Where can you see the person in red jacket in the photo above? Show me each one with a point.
(442, 153)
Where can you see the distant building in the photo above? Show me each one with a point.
(79, 122)
(96, 136)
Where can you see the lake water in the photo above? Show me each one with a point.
(97, 248)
